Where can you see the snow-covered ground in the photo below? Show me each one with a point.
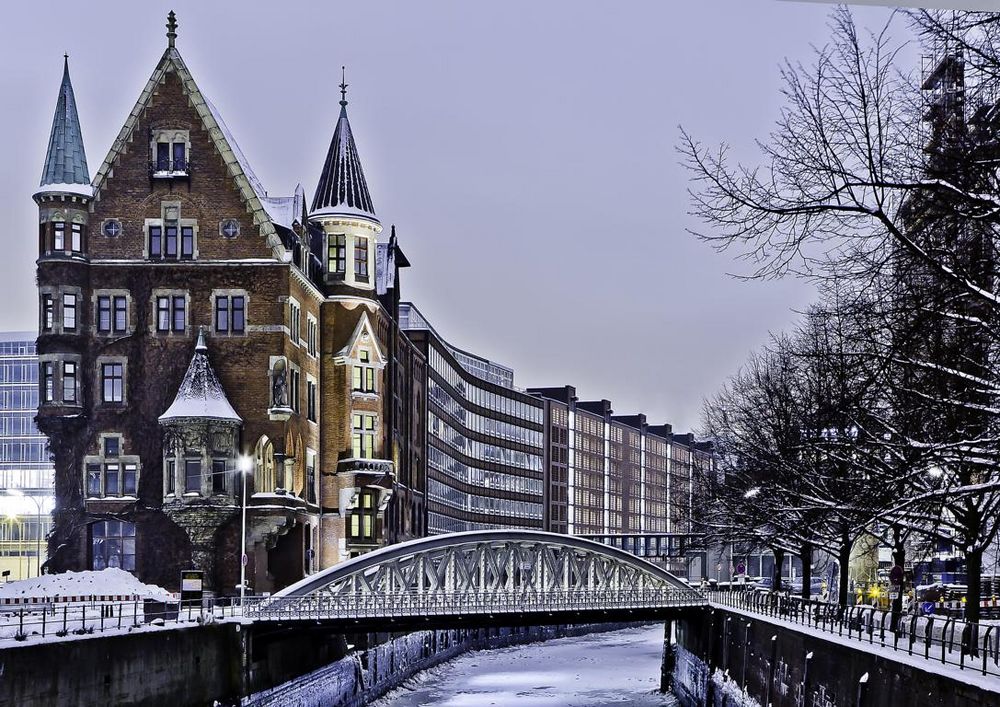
(92, 583)
(614, 668)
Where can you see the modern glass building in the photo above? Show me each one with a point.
(485, 456)
(26, 474)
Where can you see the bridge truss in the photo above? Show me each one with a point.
(464, 577)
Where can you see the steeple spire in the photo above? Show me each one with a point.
(342, 189)
(65, 160)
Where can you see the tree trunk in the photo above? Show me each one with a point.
(898, 558)
(779, 560)
(805, 553)
(973, 577)
(844, 558)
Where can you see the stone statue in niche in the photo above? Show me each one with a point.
(279, 385)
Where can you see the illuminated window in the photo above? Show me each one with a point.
(363, 435)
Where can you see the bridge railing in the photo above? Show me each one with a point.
(360, 605)
(51, 620)
(941, 639)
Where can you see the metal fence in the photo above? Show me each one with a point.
(34, 621)
(942, 639)
(439, 603)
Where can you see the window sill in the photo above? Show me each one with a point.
(170, 174)
(364, 395)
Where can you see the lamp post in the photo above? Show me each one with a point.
(244, 466)
(38, 528)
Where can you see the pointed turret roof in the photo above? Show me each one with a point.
(342, 189)
(65, 167)
(200, 396)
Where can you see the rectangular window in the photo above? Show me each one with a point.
(337, 254)
(112, 479)
(163, 157)
(363, 435)
(69, 382)
(363, 376)
(171, 473)
(113, 545)
(112, 447)
(311, 400)
(47, 381)
(155, 241)
(120, 313)
(178, 312)
(170, 244)
(294, 315)
(312, 335)
(69, 312)
(239, 314)
(58, 236)
(48, 312)
(361, 259)
(311, 477)
(130, 478)
(112, 382)
(104, 314)
(222, 314)
(218, 476)
(93, 480)
(295, 390)
(230, 314)
(76, 237)
(180, 160)
(187, 241)
(192, 475)
(163, 314)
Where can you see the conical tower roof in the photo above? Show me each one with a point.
(66, 161)
(200, 396)
(342, 189)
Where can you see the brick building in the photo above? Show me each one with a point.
(192, 326)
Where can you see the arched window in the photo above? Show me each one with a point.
(263, 476)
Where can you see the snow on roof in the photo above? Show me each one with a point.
(251, 176)
(200, 395)
(81, 189)
(110, 581)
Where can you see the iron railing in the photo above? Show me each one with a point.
(941, 639)
(60, 619)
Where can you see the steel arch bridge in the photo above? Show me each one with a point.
(496, 577)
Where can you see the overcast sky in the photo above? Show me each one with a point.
(524, 150)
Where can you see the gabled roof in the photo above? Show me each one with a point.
(200, 396)
(250, 188)
(342, 189)
(65, 166)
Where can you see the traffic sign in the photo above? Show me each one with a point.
(741, 568)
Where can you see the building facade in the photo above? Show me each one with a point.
(485, 459)
(25, 469)
(192, 326)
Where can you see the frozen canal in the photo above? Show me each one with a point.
(615, 668)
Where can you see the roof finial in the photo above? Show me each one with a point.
(171, 28)
(343, 85)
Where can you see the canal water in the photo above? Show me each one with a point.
(613, 668)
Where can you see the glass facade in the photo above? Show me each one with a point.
(26, 474)
(485, 454)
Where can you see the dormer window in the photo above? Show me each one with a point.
(364, 373)
(170, 153)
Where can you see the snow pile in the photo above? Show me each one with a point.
(734, 694)
(107, 582)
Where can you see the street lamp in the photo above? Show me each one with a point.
(38, 528)
(244, 465)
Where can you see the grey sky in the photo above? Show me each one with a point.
(524, 150)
